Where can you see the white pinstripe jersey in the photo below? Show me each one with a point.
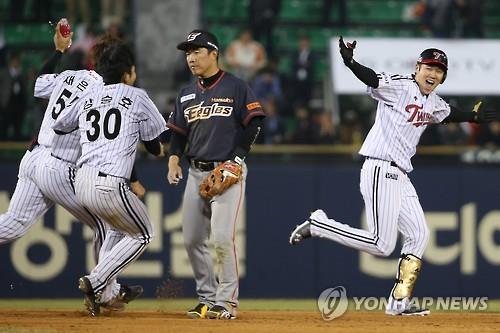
(61, 90)
(111, 120)
(403, 114)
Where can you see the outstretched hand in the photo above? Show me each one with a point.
(485, 115)
(346, 51)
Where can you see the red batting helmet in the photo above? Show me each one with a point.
(434, 57)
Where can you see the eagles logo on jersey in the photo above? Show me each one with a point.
(199, 112)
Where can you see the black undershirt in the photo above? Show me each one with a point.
(210, 80)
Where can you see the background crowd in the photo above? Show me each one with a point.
(290, 84)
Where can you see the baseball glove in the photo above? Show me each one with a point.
(346, 51)
(220, 179)
(484, 115)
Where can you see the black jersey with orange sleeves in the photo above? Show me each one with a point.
(213, 118)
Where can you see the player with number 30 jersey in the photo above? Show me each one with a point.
(111, 120)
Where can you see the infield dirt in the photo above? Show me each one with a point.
(29, 320)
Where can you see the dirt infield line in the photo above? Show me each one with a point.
(50, 320)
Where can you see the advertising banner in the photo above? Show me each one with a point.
(461, 204)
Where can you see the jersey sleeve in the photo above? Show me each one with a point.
(251, 106)
(441, 110)
(68, 119)
(44, 85)
(152, 124)
(176, 120)
(389, 87)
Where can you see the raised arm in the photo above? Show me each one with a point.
(364, 74)
(61, 44)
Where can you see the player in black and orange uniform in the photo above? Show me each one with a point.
(219, 118)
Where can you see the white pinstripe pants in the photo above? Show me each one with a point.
(111, 199)
(391, 204)
(42, 181)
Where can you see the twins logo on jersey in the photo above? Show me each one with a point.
(418, 117)
(199, 112)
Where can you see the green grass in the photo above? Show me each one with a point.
(165, 304)
(183, 304)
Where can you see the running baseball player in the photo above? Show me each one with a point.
(46, 173)
(406, 105)
(219, 118)
(111, 120)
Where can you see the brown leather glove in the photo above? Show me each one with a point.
(220, 179)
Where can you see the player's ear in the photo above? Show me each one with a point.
(417, 68)
(129, 77)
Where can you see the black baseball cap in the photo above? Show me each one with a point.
(199, 38)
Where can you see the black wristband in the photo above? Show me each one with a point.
(51, 63)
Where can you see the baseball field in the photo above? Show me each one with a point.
(275, 316)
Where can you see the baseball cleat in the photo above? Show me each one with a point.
(90, 299)
(125, 296)
(219, 312)
(129, 293)
(198, 312)
(407, 309)
(415, 311)
(300, 232)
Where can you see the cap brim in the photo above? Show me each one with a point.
(433, 62)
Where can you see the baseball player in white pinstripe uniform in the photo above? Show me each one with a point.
(406, 105)
(47, 171)
(110, 121)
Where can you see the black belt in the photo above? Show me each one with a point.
(204, 166)
(393, 164)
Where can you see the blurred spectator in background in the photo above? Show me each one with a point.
(324, 130)
(116, 30)
(263, 15)
(439, 17)
(470, 18)
(303, 69)
(40, 11)
(13, 97)
(267, 84)
(453, 134)
(327, 11)
(351, 130)
(273, 127)
(300, 131)
(78, 55)
(82, 12)
(112, 13)
(245, 56)
(489, 136)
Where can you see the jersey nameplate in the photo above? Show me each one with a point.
(187, 97)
